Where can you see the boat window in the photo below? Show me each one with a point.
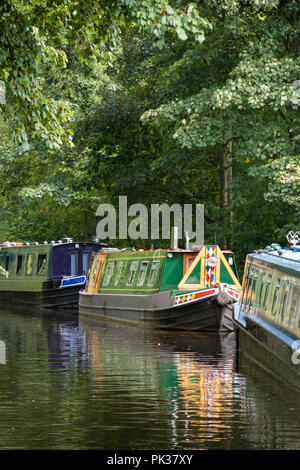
(284, 302)
(267, 291)
(247, 282)
(260, 297)
(19, 264)
(29, 264)
(41, 269)
(108, 273)
(275, 297)
(132, 271)
(294, 310)
(153, 273)
(142, 273)
(253, 293)
(188, 260)
(119, 273)
(249, 292)
(249, 288)
(74, 264)
(294, 305)
(7, 263)
(85, 262)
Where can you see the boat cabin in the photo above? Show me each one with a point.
(150, 272)
(271, 288)
(36, 267)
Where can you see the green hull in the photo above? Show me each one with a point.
(260, 346)
(157, 311)
(42, 298)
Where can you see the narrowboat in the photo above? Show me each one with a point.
(164, 288)
(268, 316)
(45, 275)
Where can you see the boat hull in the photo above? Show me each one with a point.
(157, 311)
(55, 297)
(266, 349)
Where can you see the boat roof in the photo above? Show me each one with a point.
(52, 243)
(284, 259)
(104, 245)
(111, 250)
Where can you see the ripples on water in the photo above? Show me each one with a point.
(71, 382)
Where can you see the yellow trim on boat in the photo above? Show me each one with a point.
(182, 284)
(230, 272)
(201, 257)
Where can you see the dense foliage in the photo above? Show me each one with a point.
(162, 101)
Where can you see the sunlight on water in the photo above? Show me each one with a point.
(68, 382)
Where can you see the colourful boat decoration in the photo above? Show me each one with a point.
(268, 315)
(171, 288)
(45, 275)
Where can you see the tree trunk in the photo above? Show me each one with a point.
(229, 193)
(225, 181)
(86, 222)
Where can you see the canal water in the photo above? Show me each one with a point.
(72, 382)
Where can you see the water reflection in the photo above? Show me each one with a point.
(208, 403)
(77, 383)
(66, 343)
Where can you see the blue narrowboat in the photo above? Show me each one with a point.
(45, 275)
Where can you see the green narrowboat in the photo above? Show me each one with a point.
(268, 315)
(171, 288)
(45, 275)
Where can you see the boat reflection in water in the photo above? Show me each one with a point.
(190, 377)
(272, 410)
(74, 382)
(191, 385)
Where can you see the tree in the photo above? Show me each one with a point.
(48, 193)
(34, 33)
(245, 113)
(213, 122)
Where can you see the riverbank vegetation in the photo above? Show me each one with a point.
(161, 101)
